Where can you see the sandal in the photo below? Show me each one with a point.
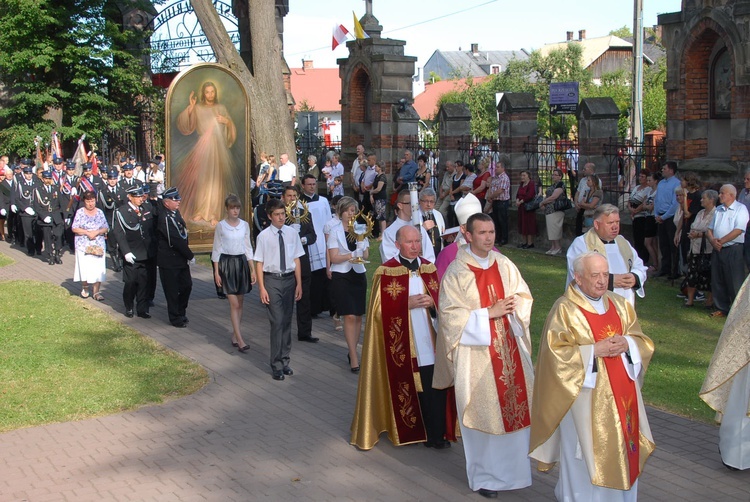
(717, 313)
(85, 293)
(98, 297)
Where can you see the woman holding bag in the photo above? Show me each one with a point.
(90, 227)
(698, 277)
(526, 219)
(554, 217)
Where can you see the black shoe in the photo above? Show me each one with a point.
(144, 315)
(490, 494)
(244, 348)
(129, 313)
(309, 339)
(529, 246)
(221, 296)
(58, 260)
(287, 371)
(278, 375)
(117, 268)
(185, 319)
(438, 445)
(179, 325)
(673, 277)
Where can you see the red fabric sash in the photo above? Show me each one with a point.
(623, 388)
(400, 363)
(504, 354)
(87, 185)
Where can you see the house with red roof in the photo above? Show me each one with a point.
(318, 90)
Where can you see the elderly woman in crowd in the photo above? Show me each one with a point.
(348, 278)
(553, 217)
(232, 257)
(90, 227)
(698, 276)
(526, 219)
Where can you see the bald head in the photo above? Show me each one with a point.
(408, 241)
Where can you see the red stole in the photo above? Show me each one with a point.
(401, 364)
(623, 388)
(506, 360)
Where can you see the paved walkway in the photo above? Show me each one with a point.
(247, 437)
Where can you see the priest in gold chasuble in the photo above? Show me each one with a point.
(395, 393)
(587, 412)
(484, 350)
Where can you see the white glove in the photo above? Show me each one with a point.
(130, 258)
(3, 212)
(191, 261)
(48, 219)
(14, 208)
(30, 211)
(67, 221)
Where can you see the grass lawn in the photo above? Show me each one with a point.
(5, 260)
(62, 360)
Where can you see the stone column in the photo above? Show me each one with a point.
(517, 125)
(454, 120)
(597, 125)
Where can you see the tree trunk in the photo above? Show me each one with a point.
(271, 126)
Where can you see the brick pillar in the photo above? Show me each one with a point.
(454, 120)
(517, 125)
(597, 124)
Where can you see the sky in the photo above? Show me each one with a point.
(428, 25)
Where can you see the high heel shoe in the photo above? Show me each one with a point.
(353, 370)
(235, 344)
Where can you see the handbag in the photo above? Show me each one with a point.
(94, 249)
(562, 203)
(534, 203)
(704, 259)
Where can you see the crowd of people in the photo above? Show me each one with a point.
(447, 345)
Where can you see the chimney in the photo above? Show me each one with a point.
(568, 36)
(475, 49)
(307, 64)
(581, 34)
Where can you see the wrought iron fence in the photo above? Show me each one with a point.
(472, 150)
(545, 155)
(626, 160)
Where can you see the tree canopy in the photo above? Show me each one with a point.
(535, 74)
(71, 60)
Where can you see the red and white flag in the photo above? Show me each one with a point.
(339, 36)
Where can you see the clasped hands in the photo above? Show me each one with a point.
(624, 281)
(612, 346)
(503, 307)
(423, 301)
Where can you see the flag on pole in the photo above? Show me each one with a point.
(339, 36)
(80, 157)
(56, 148)
(359, 32)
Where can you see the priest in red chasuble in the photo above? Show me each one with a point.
(587, 411)
(395, 393)
(484, 350)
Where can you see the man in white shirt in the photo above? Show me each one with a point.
(277, 253)
(388, 247)
(627, 274)
(287, 170)
(726, 233)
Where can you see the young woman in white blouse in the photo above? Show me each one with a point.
(232, 258)
(348, 279)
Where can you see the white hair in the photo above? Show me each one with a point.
(579, 261)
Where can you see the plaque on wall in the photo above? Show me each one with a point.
(208, 146)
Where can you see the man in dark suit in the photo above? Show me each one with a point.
(6, 189)
(174, 257)
(49, 217)
(306, 231)
(128, 180)
(69, 201)
(108, 200)
(132, 228)
(21, 203)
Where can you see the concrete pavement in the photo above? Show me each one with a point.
(247, 437)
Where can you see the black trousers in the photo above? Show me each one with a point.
(151, 286)
(666, 230)
(12, 220)
(135, 277)
(579, 222)
(52, 235)
(432, 403)
(177, 285)
(639, 238)
(304, 313)
(500, 213)
(27, 226)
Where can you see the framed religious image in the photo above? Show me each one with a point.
(208, 147)
(721, 86)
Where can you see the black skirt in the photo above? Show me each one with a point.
(235, 274)
(650, 229)
(349, 291)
